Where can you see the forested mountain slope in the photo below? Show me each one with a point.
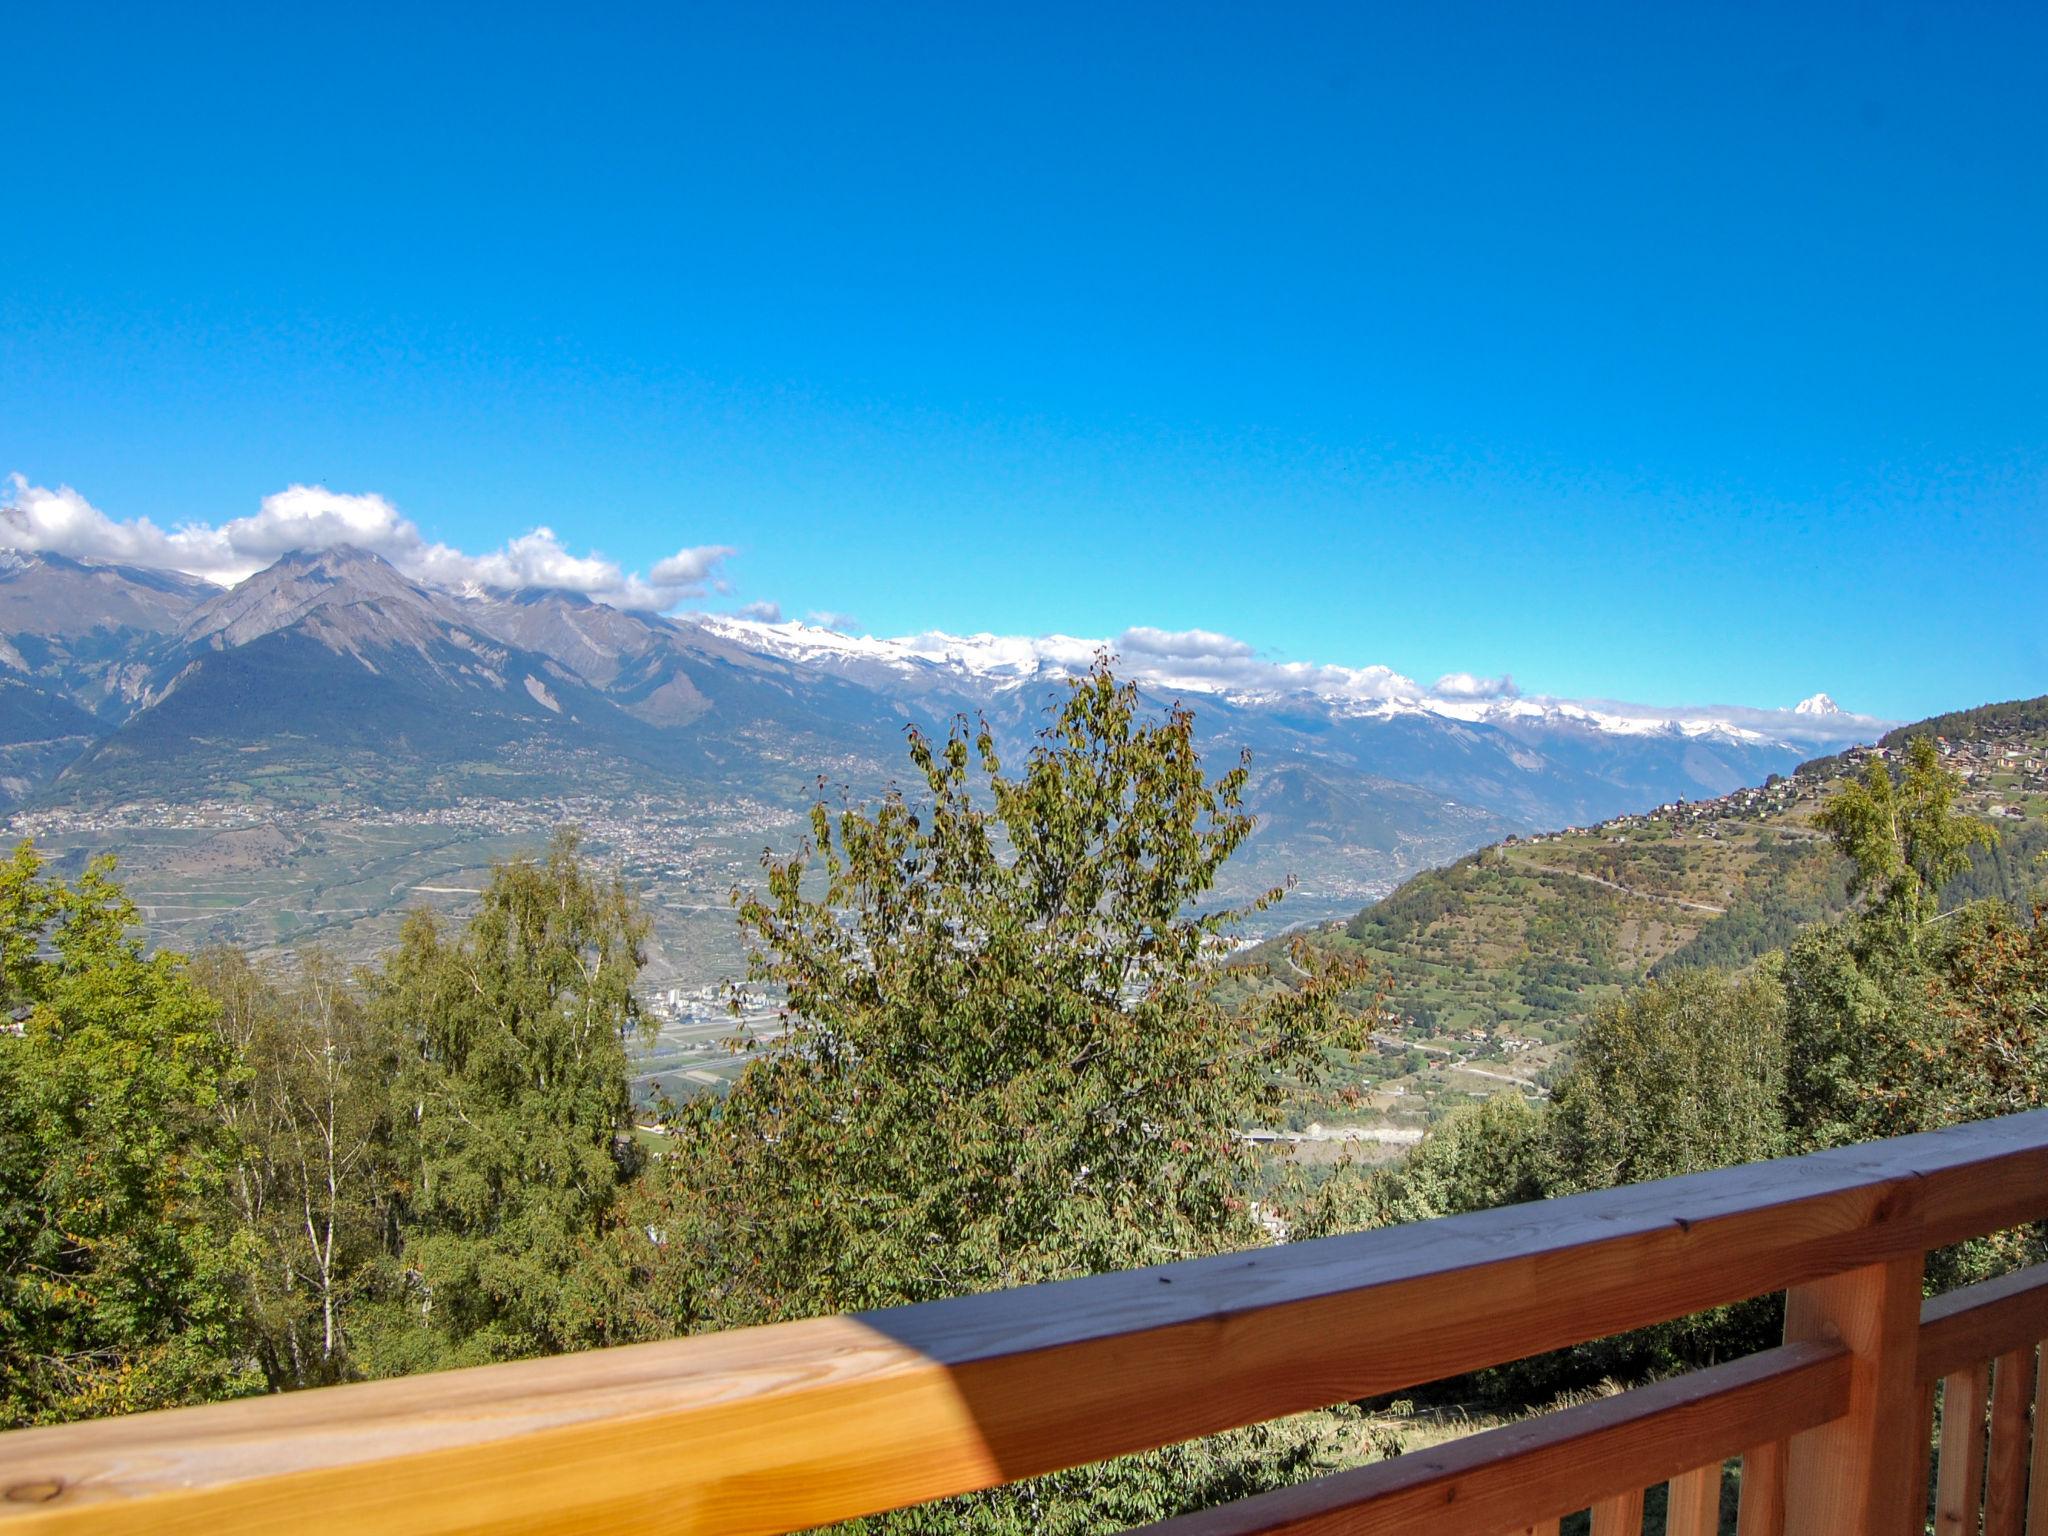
(1496, 959)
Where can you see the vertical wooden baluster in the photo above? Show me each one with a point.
(1693, 1503)
(2005, 1490)
(1763, 1491)
(1923, 1475)
(1851, 1477)
(1621, 1515)
(2037, 1481)
(1959, 1476)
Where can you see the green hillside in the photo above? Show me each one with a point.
(1493, 961)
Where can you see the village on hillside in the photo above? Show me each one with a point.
(1492, 962)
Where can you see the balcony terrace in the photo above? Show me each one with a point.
(776, 1429)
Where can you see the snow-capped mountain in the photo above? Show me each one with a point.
(1198, 663)
(335, 678)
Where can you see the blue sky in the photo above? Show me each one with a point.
(1666, 353)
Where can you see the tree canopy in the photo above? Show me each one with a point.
(1002, 1060)
(512, 1122)
(118, 1271)
(1904, 833)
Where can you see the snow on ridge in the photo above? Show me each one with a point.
(999, 658)
(1004, 662)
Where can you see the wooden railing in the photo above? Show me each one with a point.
(775, 1429)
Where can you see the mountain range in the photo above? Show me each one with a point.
(330, 678)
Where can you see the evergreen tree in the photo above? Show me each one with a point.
(1002, 1063)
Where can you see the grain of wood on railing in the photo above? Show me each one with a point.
(774, 1429)
(1923, 1452)
(1986, 1333)
(1854, 1473)
(1980, 1322)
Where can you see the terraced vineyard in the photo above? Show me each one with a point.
(1492, 962)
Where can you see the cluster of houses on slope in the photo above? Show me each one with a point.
(2006, 772)
(2001, 774)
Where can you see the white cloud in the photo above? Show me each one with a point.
(33, 517)
(690, 567)
(1463, 685)
(1207, 659)
(825, 618)
(1186, 643)
(760, 613)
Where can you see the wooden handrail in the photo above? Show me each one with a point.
(1537, 1470)
(1979, 1322)
(773, 1429)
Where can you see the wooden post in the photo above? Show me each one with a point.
(1959, 1477)
(1854, 1476)
(2037, 1478)
(1692, 1502)
(2005, 1490)
(1620, 1515)
(1762, 1511)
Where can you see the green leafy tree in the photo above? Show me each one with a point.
(1002, 1063)
(118, 1277)
(1904, 833)
(312, 1178)
(1003, 1059)
(1476, 1157)
(512, 1115)
(1866, 1032)
(1868, 1025)
(1997, 994)
(1682, 1075)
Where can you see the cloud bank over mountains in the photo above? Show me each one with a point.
(1203, 661)
(34, 518)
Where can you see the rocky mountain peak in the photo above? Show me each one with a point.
(304, 582)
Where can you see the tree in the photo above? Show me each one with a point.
(1904, 834)
(118, 1277)
(1477, 1157)
(1003, 1059)
(1001, 1062)
(1997, 975)
(312, 1174)
(1866, 1029)
(1682, 1075)
(512, 1114)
